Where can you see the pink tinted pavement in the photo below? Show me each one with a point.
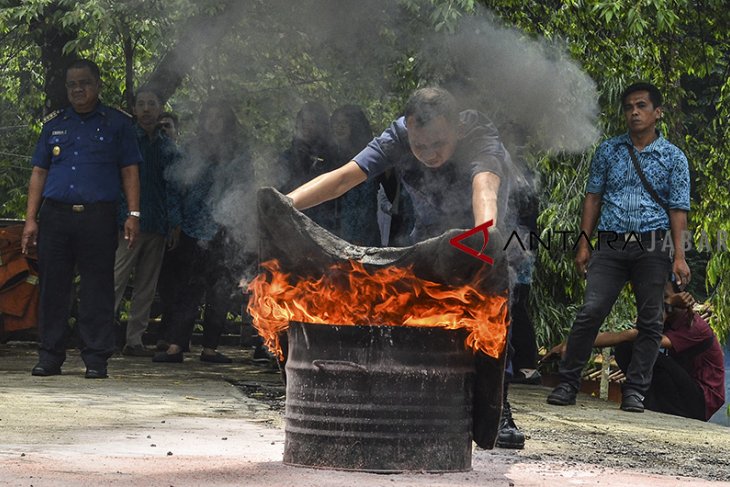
(186, 425)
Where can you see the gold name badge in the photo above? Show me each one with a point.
(56, 150)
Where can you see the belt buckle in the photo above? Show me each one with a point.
(77, 208)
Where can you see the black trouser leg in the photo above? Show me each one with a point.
(56, 270)
(95, 243)
(220, 286)
(607, 274)
(510, 351)
(649, 274)
(214, 319)
(171, 273)
(189, 290)
(523, 332)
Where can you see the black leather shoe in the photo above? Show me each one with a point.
(509, 435)
(174, 358)
(563, 395)
(632, 402)
(96, 374)
(45, 370)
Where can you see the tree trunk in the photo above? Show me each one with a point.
(51, 38)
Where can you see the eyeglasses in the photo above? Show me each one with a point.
(82, 83)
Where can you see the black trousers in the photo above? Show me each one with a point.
(85, 241)
(608, 271)
(672, 390)
(202, 270)
(523, 331)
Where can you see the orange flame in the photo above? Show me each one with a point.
(349, 295)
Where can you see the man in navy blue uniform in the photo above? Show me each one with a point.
(85, 152)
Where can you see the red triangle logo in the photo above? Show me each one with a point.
(456, 242)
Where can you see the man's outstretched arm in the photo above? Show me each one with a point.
(327, 186)
(607, 339)
(485, 188)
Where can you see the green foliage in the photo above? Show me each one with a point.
(280, 54)
(682, 47)
(102, 25)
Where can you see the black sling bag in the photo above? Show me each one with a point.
(644, 182)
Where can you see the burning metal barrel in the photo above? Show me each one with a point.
(400, 396)
(378, 398)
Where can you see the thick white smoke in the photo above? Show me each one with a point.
(534, 91)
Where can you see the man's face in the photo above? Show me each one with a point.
(434, 143)
(168, 126)
(82, 89)
(640, 113)
(147, 109)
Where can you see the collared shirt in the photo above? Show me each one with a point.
(625, 205)
(442, 197)
(84, 153)
(159, 203)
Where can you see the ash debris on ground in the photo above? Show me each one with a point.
(273, 395)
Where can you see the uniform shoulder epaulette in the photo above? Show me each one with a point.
(51, 116)
(122, 112)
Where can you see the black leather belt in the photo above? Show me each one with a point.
(78, 208)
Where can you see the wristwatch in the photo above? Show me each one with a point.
(135, 214)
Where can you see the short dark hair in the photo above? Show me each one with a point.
(425, 104)
(654, 94)
(85, 64)
(148, 89)
(171, 115)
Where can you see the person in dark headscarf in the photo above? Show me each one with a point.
(208, 259)
(358, 208)
(311, 154)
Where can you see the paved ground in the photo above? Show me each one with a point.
(187, 425)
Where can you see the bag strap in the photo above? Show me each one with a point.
(644, 182)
